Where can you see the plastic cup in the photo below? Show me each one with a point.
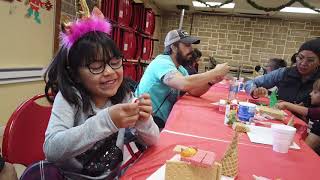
(283, 136)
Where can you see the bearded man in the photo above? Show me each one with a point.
(165, 78)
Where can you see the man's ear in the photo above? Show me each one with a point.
(174, 48)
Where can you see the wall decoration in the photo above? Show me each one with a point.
(34, 7)
(266, 9)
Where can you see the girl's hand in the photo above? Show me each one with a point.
(124, 115)
(282, 105)
(260, 92)
(145, 107)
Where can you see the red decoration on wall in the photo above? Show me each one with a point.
(34, 7)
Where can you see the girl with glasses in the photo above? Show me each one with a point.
(93, 106)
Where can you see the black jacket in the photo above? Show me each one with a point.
(292, 89)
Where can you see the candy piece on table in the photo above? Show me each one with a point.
(188, 152)
(196, 159)
(201, 158)
(179, 148)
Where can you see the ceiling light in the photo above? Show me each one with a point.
(199, 4)
(298, 10)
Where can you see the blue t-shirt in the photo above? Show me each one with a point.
(152, 83)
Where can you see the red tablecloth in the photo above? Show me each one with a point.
(194, 121)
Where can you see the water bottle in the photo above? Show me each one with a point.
(241, 84)
(233, 90)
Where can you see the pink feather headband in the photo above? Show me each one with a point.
(73, 31)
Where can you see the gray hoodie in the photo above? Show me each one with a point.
(70, 134)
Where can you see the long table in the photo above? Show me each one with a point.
(195, 122)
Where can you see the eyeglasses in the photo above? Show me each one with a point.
(97, 67)
(309, 60)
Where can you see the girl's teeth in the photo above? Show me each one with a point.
(110, 82)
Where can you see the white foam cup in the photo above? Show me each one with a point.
(283, 136)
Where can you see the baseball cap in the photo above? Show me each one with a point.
(180, 35)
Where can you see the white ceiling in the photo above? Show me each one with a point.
(241, 8)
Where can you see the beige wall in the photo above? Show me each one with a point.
(12, 95)
(243, 41)
(24, 44)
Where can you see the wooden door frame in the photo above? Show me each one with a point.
(57, 26)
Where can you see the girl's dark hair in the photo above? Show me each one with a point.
(63, 72)
(293, 59)
(196, 53)
(277, 63)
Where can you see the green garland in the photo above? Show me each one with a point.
(266, 9)
(216, 6)
(305, 4)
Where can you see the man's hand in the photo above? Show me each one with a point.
(219, 72)
(124, 115)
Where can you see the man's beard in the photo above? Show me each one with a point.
(182, 60)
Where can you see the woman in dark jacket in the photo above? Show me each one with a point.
(294, 83)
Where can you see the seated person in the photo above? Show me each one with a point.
(312, 114)
(165, 76)
(93, 106)
(258, 71)
(294, 83)
(192, 66)
(274, 64)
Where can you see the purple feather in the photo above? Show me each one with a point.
(83, 26)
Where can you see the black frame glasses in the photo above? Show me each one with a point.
(309, 60)
(97, 67)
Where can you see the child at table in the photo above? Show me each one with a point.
(93, 105)
(313, 114)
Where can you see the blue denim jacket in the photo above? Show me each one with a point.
(267, 81)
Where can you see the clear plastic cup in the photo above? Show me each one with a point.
(283, 136)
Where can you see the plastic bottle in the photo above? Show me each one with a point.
(233, 90)
(241, 84)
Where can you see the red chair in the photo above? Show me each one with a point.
(24, 133)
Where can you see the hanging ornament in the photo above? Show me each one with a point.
(34, 7)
